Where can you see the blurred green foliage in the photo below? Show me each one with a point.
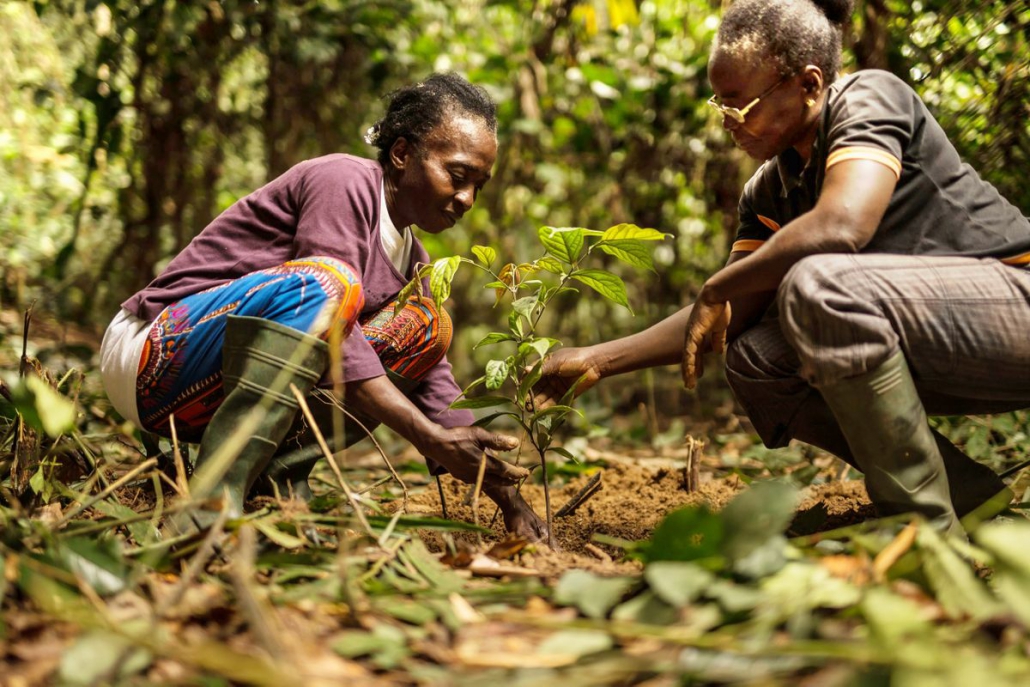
(126, 126)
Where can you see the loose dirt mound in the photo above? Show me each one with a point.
(633, 500)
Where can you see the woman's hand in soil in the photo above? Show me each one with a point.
(519, 517)
(461, 449)
(563, 370)
(706, 331)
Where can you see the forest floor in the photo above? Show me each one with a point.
(772, 569)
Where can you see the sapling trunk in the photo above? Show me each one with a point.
(547, 500)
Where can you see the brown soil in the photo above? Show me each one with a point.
(633, 500)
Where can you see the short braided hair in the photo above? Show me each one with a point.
(416, 110)
(794, 33)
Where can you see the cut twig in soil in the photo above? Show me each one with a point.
(547, 502)
(473, 497)
(180, 467)
(592, 487)
(692, 469)
(443, 501)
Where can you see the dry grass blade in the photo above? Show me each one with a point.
(894, 551)
(332, 400)
(352, 498)
(125, 479)
(180, 467)
(263, 623)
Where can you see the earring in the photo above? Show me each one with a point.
(810, 102)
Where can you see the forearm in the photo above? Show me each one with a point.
(378, 398)
(763, 270)
(659, 344)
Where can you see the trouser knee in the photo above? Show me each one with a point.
(414, 340)
(340, 288)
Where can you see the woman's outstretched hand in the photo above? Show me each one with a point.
(564, 369)
(706, 331)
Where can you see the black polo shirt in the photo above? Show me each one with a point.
(940, 205)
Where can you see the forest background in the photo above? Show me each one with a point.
(125, 127)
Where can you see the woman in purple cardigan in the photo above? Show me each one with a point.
(248, 308)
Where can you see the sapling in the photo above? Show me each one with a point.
(509, 379)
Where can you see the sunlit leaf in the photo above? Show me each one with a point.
(756, 516)
(677, 583)
(486, 254)
(480, 402)
(43, 407)
(605, 283)
(687, 534)
(551, 264)
(564, 243)
(441, 277)
(496, 373)
(493, 338)
(594, 596)
(631, 252)
(632, 231)
(957, 588)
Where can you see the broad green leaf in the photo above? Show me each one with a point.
(551, 264)
(687, 534)
(268, 527)
(957, 588)
(441, 277)
(594, 596)
(556, 412)
(756, 516)
(493, 338)
(486, 254)
(677, 583)
(473, 385)
(892, 618)
(525, 306)
(526, 386)
(632, 231)
(386, 644)
(496, 373)
(564, 243)
(1009, 543)
(575, 643)
(605, 283)
(485, 421)
(143, 532)
(43, 407)
(635, 253)
(405, 610)
(515, 324)
(101, 657)
(413, 286)
(646, 608)
(480, 402)
(98, 563)
(562, 451)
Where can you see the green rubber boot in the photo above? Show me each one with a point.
(260, 360)
(884, 422)
(290, 468)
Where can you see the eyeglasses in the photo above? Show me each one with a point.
(736, 114)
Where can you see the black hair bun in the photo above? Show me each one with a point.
(837, 11)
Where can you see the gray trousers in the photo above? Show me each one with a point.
(962, 323)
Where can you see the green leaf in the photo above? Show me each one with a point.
(556, 412)
(605, 283)
(756, 516)
(632, 232)
(493, 338)
(687, 534)
(1009, 543)
(440, 279)
(405, 610)
(43, 407)
(525, 306)
(675, 582)
(646, 608)
(575, 643)
(486, 254)
(564, 452)
(480, 402)
(98, 563)
(594, 596)
(550, 264)
(268, 527)
(635, 253)
(387, 645)
(485, 421)
(496, 373)
(957, 588)
(101, 657)
(405, 295)
(564, 243)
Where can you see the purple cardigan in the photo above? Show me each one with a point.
(326, 206)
